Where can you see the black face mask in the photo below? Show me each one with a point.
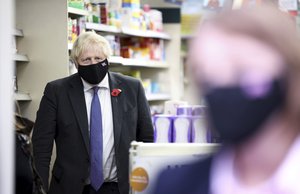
(94, 73)
(236, 115)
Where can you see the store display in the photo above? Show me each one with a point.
(114, 42)
(199, 110)
(191, 14)
(185, 124)
(200, 133)
(171, 106)
(185, 110)
(149, 159)
(182, 129)
(79, 4)
(163, 128)
(127, 15)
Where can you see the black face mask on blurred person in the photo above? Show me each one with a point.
(236, 115)
(94, 73)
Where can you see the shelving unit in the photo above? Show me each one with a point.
(146, 33)
(49, 59)
(76, 13)
(18, 32)
(190, 89)
(158, 97)
(102, 28)
(137, 62)
(18, 95)
(121, 64)
(20, 58)
(117, 60)
(127, 31)
(21, 96)
(44, 31)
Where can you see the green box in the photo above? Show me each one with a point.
(96, 19)
(79, 4)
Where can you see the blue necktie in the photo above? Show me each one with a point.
(96, 142)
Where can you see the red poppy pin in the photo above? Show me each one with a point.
(116, 92)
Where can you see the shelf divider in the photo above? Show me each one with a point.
(20, 57)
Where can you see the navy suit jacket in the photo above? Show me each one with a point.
(62, 117)
(189, 179)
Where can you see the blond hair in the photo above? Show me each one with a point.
(89, 39)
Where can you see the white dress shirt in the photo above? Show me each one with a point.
(109, 165)
(285, 179)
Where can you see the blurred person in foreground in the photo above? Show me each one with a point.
(92, 116)
(247, 65)
(27, 180)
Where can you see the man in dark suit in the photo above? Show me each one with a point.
(67, 116)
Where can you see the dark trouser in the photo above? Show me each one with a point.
(106, 188)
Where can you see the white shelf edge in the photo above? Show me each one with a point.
(158, 97)
(78, 12)
(18, 32)
(21, 96)
(116, 59)
(102, 28)
(20, 57)
(127, 31)
(146, 33)
(137, 62)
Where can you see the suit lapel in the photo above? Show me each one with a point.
(117, 107)
(77, 98)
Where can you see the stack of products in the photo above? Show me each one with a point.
(188, 125)
(78, 4)
(142, 48)
(120, 13)
(75, 27)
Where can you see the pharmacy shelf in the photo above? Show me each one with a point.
(158, 97)
(133, 62)
(17, 32)
(102, 28)
(137, 62)
(77, 12)
(19, 57)
(146, 33)
(127, 31)
(21, 96)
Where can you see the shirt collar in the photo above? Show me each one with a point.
(103, 84)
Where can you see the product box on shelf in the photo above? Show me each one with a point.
(163, 128)
(79, 4)
(182, 129)
(185, 124)
(134, 4)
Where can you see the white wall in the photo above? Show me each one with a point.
(6, 96)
